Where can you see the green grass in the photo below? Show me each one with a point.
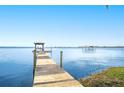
(112, 77)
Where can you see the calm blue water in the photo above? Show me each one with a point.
(16, 67)
(84, 62)
(16, 63)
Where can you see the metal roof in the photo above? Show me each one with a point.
(39, 43)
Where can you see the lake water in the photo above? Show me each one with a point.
(16, 63)
(16, 67)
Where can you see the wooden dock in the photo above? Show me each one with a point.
(49, 74)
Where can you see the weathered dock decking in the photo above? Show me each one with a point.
(49, 74)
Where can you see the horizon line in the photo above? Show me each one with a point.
(91, 46)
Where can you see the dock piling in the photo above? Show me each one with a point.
(61, 59)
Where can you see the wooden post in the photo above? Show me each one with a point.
(43, 47)
(51, 51)
(61, 57)
(35, 46)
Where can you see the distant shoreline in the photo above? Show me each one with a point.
(91, 47)
(14, 47)
(65, 47)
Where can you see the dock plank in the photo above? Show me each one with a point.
(49, 74)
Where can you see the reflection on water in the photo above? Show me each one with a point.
(88, 50)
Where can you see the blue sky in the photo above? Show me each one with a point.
(61, 25)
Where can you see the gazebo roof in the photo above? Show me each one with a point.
(39, 43)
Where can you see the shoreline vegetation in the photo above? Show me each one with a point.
(111, 77)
